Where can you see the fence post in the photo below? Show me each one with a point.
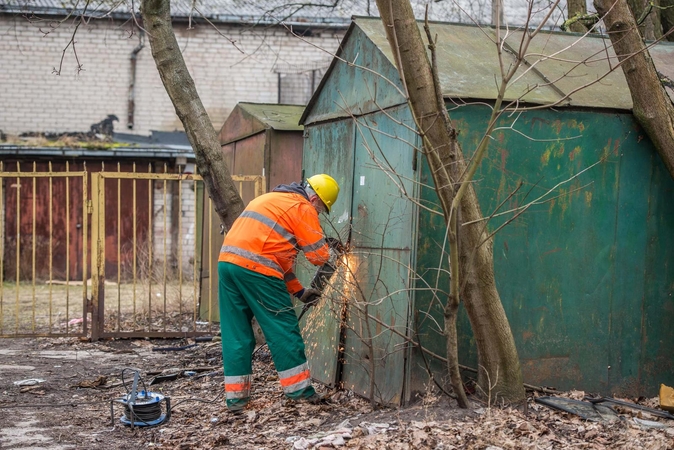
(97, 255)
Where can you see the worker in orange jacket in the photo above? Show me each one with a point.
(255, 270)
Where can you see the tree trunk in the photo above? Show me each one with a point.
(497, 355)
(183, 94)
(667, 18)
(576, 8)
(647, 17)
(652, 106)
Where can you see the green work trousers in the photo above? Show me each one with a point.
(242, 295)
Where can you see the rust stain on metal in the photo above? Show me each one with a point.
(575, 152)
(504, 158)
(541, 370)
(588, 198)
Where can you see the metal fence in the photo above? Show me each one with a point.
(106, 253)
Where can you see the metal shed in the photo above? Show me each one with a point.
(258, 140)
(585, 275)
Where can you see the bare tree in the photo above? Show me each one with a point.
(647, 16)
(472, 267)
(183, 94)
(652, 107)
(667, 18)
(577, 11)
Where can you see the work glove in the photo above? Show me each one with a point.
(310, 296)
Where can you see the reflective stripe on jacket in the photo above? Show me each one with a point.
(266, 237)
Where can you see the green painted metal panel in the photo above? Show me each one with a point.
(383, 221)
(328, 148)
(378, 290)
(385, 150)
(631, 236)
(657, 332)
(431, 289)
(572, 271)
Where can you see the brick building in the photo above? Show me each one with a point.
(98, 78)
(236, 51)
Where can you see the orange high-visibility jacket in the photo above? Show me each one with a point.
(267, 236)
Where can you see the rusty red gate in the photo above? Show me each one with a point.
(105, 253)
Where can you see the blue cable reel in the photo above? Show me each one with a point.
(142, 409)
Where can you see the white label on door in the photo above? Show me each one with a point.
(362, 180)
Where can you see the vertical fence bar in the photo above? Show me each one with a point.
(84, 278)
(135, 245)
(94, 254)
(34, 242)
(85, 243)
(86, 210)
(179, 248)
(98, 256)
(2, 249)
(197, 251)
(119, 248)
(210, 261)
(18, 247)
(150, 243)
(51, 244)
(165, 239)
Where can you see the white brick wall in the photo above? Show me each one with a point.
(161, 222)
(33, 98)
(183, 250)
(188, 236)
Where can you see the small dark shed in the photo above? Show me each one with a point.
(585, 275)
(257, 139)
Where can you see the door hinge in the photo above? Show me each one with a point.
(90, 207)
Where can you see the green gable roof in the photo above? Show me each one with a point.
(275, 116)
(556, 65)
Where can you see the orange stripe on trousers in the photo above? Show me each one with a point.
(237, 387)
(295, 378)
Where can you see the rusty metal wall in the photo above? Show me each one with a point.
(585, 275)
(285, 158)
(66, 218)
(98, 252)
(67, 198)
(43, 249)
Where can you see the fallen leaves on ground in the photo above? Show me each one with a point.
(200, 420)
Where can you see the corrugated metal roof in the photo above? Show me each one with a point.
(314, 12)
(558, 64)
(275, 116)
(78, 152)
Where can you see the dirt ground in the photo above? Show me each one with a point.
(67, 406)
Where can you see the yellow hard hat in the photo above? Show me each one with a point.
(325, 187)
